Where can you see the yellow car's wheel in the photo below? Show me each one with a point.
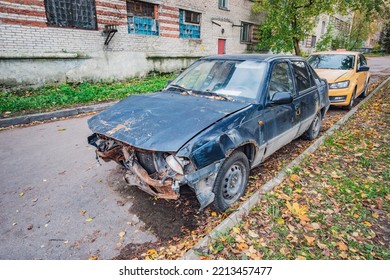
(352, 101)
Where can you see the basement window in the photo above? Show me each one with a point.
(189, 24)
(71, 13)
(142, 18)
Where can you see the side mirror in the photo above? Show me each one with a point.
(363, 68)
(281, 97)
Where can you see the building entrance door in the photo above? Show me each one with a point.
(221, 46)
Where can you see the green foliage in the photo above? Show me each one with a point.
(65, 95)
(385, 42)
(359, 31)
(288, 22)
(326, 40)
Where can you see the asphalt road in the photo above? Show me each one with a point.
(57, 203)
(49, 177)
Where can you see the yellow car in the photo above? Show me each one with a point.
(346, 72)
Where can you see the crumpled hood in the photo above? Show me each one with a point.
(334, 75)
(161, 121)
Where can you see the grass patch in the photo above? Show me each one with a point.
(49, 98)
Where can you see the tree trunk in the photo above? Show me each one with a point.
(296, 47)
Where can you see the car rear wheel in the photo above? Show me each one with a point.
(352, 101)
(314, 128)
(231, 181)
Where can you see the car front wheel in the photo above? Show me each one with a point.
(231, 181)
(352, 101)
(365, 91)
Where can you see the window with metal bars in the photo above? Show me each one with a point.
(71, 13)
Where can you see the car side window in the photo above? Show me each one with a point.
(362, 60)
(301, 75)
(280, 80)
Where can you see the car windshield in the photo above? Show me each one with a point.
(332, 61)
(228, 79)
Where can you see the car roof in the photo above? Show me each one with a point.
(338, 52)
(254, 57)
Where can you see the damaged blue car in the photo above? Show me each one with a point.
(209, 127)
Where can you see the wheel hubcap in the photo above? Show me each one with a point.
(234, 181)
(316, 126)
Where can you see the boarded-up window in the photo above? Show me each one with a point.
(246, 32)
(71, 13)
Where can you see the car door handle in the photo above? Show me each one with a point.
(298, 111)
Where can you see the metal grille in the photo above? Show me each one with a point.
(71, 13)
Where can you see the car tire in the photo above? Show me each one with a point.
(365, 92)
(314, 129)
(352, 101)
(231, 181)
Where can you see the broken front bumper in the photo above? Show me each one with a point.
(149, 171)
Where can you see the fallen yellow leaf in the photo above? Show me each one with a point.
(316, 226)
(343, 255)
(375, 215)
(300, 258)
(82, 212)
(237, 230)
(284, 251)
(367, 223)
(342, 246)
(88, 220)
(388, 196)
(280, 221)
(21, 194)
(290, 227)
(284, 196)
(355, 215)
(242, 246)
(239, 239)
(334, 175)
(309, 239)
(151, 252)
(294, 178)
(214, 214)
(93, 258)
(321, 246)
(122, 235)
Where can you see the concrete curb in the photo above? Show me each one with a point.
(235, 217)
(55, 114)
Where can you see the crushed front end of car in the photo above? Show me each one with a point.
(159, 174)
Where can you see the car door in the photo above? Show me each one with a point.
(280, 122)
(307, 99)
(362, 75)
